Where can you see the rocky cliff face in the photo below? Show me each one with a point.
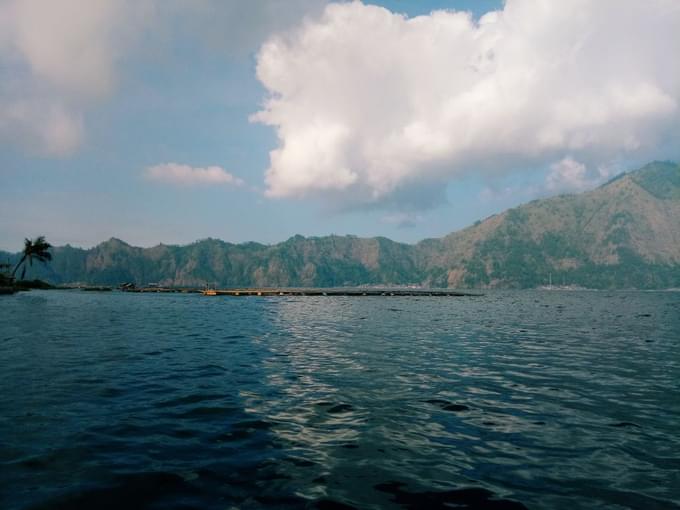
(623, 234)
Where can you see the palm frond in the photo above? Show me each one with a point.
(37, 249)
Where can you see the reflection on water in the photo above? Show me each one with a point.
(511, 400)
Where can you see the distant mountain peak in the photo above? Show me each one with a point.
(115, 241)
(660, 178)
(657, 166)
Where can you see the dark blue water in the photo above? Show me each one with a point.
(511, 400)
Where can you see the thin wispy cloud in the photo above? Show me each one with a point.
(60, 60)
(402, 219)
(56, 59)
(186, 175)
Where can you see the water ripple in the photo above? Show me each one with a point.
(512, 400)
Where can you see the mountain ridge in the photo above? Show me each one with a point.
(622, 234)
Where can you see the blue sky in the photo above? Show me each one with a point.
(176, 90)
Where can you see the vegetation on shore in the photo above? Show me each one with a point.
(35, 250)
(5, 280)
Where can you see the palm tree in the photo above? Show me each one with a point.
(36, 249)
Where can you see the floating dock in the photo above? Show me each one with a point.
(354, 292)
(337, 291)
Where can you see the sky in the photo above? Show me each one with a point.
(174, 120)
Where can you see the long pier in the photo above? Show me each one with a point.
(337, 291)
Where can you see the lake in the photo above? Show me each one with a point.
(523, 399)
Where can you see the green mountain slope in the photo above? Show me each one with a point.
(325, 261)
(623, 234)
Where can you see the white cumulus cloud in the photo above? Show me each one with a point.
(186, 175)
(568, 174)
(367, 103)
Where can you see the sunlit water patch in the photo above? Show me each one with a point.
(510, 400)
